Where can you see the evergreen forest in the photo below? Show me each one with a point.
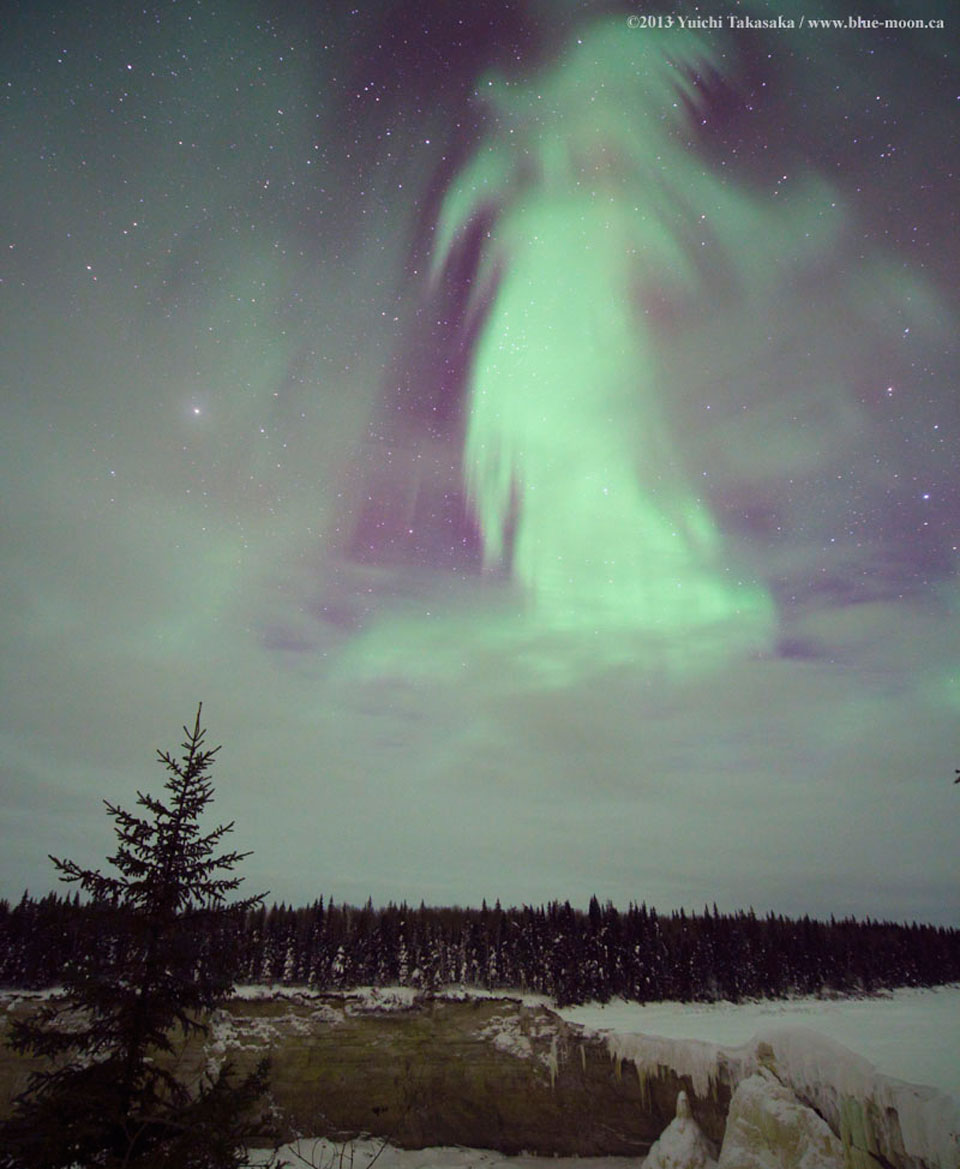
(556, 950)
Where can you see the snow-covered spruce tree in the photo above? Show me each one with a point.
(161, 957)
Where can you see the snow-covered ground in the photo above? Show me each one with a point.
(912, 1035)
(318, 1154)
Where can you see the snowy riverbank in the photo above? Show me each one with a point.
(910, 1037)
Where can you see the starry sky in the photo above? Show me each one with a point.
(532, 435)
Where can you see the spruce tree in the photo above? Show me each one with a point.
(161, 957)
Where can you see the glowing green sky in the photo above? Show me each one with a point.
(567, 449)
(535, 441)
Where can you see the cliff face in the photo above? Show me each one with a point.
(481, 1072)
(489, 1073)
(499, 1074)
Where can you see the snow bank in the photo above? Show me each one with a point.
(361, 1154)
(910, 1034)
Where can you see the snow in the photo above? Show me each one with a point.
(767, 1125)
(694, 1058)
(507, 1035)
(912, 1035)
(356, 1001)
(323, 1154)
(862, 1085)
(681, 1145)
(903, 1123)
(883, 1071)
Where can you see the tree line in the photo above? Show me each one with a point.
(155, 946)
(571, 955)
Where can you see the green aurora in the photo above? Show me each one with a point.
(534, 439)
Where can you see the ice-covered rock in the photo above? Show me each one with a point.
(769, 1128)
(878, 1118)
(681, 1145)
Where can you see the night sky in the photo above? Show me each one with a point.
(535, 438)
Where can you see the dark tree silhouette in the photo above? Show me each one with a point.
(161, 957)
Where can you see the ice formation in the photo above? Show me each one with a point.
(681, 1145)
(769, 1128)
(904, 1125)
(907, 1125)
(702, 1063)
